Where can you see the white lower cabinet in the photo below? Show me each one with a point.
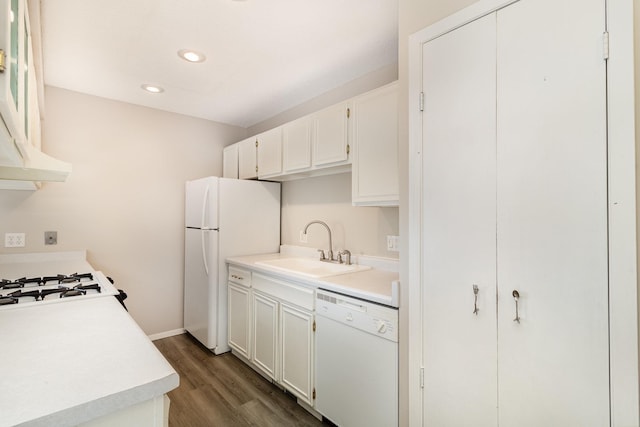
(239, 313)
(265, 334)
(271, 325)
(296, 330)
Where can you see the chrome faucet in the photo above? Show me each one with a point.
(347, 257)
(330, 252)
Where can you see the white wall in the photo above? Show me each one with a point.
(123, 201)
(361, 230)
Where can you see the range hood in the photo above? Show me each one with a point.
(36, 166)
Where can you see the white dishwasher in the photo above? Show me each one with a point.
(356, 361)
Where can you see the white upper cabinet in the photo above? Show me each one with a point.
(14, 42)
(296, 145)
(22, 164)
(362, 131)
(230, 161)
(270, 153)
(331, 135)
(247, 158)
(375, 148)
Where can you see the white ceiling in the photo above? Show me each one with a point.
(263, 56)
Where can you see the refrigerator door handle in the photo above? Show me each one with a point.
(204, 251)
(205, 205)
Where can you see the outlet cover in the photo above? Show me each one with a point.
(50, 237)
(14, 240)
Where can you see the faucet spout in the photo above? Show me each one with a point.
(324, 224)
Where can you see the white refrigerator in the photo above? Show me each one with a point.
(223, 218)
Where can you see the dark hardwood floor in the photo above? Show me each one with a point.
(223, 391)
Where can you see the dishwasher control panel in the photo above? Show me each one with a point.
(367, 316)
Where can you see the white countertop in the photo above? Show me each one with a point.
(375, 285)
(63, 364)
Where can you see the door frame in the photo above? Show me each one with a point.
(623, 288)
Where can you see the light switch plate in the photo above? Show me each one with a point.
(392, 243)
(14, 240)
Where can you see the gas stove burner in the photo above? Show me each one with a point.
(24, 294)
(72, 293)
(8, 300)
(66, 291)
(51, 291)
(11, 284)
(41, 281)
(19, 283)
(92, 287)
(50, 278)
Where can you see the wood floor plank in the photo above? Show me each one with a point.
(223, 391)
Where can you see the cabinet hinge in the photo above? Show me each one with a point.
(314, 326)
(421, 101)
(314, 394)
(605, 45)
(348, 112)
(348, 149)
(256, 143)
(3, 58)
(256, 169)
(422, 377)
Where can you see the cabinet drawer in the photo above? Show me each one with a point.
(299, 295)
(240, 276)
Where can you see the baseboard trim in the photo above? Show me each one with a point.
(166, 334)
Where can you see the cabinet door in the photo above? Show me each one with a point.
(459, 227)
(375, 146)
(296, 329)
(331, 135)
(247, 159)
(552, 215)
(270, 153)
(12, 81)
(265, 334)
(230, 161)
(296, 145)
(239, 318)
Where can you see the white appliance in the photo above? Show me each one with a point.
(224, 218)
(356, 361)
(36, 279)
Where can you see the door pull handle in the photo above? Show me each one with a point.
(516, 297)
(475, 300)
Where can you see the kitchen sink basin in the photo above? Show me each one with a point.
(311, 267)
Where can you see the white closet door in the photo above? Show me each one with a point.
(552, 215)
(459, 218)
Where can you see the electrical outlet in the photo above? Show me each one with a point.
(50, 237)
(303, 237)
(14, 240)
(392, 243)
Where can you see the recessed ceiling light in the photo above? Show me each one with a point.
(152, 88)
(191, 55)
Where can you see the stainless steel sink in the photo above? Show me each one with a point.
(311, 267)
